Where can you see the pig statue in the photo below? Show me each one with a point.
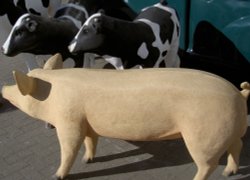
(208, 112)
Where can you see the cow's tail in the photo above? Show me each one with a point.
(245, 89)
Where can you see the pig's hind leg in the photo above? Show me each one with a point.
(233, 158)
(70, 139)
(205, 157)
(90, 143)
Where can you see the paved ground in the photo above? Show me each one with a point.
(28, 151)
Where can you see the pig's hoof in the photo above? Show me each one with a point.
(230, 169)
(228, 172)
(87, 160)
(55, 177)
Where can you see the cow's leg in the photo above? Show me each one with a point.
(31, 63)
(78, 59)
(87, 60)
(115, 61)
(70, 138)
(90, 142)
(78, 64)
(233, 158)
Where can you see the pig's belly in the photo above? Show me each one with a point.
(133, 114)
(136, 124)
(136, 132)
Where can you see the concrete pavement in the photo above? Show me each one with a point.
(28, 151)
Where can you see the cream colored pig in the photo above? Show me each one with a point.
(208, 112)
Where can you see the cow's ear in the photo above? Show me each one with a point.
(97, 24)
(164, 2)
(54, 62)
(25, 84)
(102, 11)
(31, 25)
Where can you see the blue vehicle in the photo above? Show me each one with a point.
(214, 35)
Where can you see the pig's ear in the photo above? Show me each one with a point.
(55, 62)
(25, 84)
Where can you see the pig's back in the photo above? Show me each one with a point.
(187, 81)
(192, 80)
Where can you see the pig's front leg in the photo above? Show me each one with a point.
(70, 138)
(90, 143)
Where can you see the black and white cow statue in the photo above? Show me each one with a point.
(40, 35)
(15, 8)
(151, 40)
(11, 10)
(40, 7)
(7, 7)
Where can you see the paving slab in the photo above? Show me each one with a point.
(29, 151)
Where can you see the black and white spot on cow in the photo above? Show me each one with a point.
(143, 51)
(38, 7)
(22, 4)
(16, 8)
(74, 12)
(166, 34)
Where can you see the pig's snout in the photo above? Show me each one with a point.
(5, 92)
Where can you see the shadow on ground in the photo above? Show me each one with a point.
(164, 154)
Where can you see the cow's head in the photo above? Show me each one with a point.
(23, 36)
(90, 36)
